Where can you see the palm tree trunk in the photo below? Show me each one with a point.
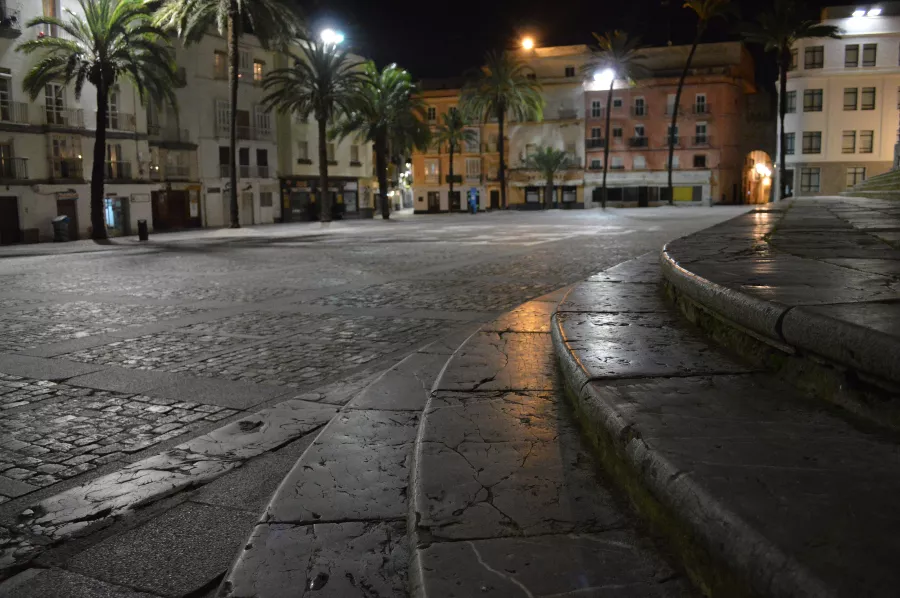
(450, 197)
(548, 192)
(234, 65)
(98, 171)
(684, 72)
(606, 142)
(381, 165)
(324, 195)
(500, 146)
(784, 65)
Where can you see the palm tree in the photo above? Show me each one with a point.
(505, 86)
(453, 132)
(114, 39)
(777, 31)
(323, 82)
(618, 53)
(548, 161)
(271, 21)
(387, 112)
(706, 11)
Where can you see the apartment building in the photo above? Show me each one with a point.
(561, 73)
(475, 165)
(843, 97)
(710, 161)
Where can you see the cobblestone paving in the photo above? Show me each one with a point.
(103, 314)
(78, 429)
(16, 334)
(155, 351)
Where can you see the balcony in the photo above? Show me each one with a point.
(637, 142)
(262, 171)
(10, 22)
(120, 121)
(14, 169)
(66, 168)
(490, 148)
(595, 143)
(701, 141)
(701, 110)
(473, 177)
(118, 171)
(244, 171)
(640, 110)
(432, 179)
(14, 112)
(617, 167)
(225, 171)
(596, 166)
(160, 133)
(63, 118)
(677, 142)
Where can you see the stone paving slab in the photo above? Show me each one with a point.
(493, 361)
(45, 369)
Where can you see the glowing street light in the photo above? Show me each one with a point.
(873, 12)
(604, 78)
(331, 37)
(859, 12)
(528, 43)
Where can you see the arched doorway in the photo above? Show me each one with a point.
(757, 178)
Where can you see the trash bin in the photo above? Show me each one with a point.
(60, 229)
(143, 233)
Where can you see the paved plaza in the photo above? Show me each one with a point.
(111, 356)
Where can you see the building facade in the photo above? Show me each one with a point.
(843, 99)
(709, 158)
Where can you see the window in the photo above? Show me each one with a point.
(262, 121)
(596, 133)
(812, 100)
(616, 162)
(262, 163)
(244, 157)
(640, 163)
(474, 143)
(531, 76)
(617, 102)
(669, 131)
(640, 107)
(354, 154)
(851, 95)
(473, 168)
(700, 103)
(675, 162)
(303, 150)
(867, 101)
(432, 114)
(432, 170)
(55, 104)
(596, 109)
(812, 142)
(700, 133)
(855, 175)
(329, 152)
(452, 110)
(530, 149)
(245, 63)
(570, 152)
(789, 140)
(814, 57)
(259, 71)
(809, 180)
(224, 155)
(851, 55)
(570, 71)
(848, 142)
(265, 199)
(617, 132)
(791, 102)
(868, 57)
(793, 65)
(220, 65)
(596, 164)
(699, 160)
(639, 131)
(866, 141)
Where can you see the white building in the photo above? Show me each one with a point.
(842, 118)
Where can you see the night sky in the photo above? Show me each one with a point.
(446, 39)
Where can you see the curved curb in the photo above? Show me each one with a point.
(722, 534)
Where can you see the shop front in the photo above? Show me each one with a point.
(176, 208)
(301, 199)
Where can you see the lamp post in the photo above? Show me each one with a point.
(528, 43)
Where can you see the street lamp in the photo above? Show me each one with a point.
(604, 78)
(331, 37)
(528, 43)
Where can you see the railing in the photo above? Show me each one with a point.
(244, 132)
(59, 117)
(471, 148)
(490, 148)
(617, 167)
(701, 109)
(700, 140)
(66, 168)
(676, 141)
(118, 171)
(639, 110)
(244, 171)
(637, 142)
(225, 171)
(10, 21)
(120, 121)
(595, 143)
(14, 168)
(432, 178)
(596, 167)
(161, 133)
(473, 177)
(178, 171)
(14, 112)
(262, 171)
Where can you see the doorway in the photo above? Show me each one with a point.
(495, 199)
(9, 220)
(69, 207)
(115, 215)
(434, 201)
(246, 215)
(454, 202)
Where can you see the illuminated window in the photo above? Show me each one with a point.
(848, 142)
(814, 57)
(258, 71)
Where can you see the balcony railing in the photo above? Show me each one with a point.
(617, 167)
(118, 171)
(490, 148)
(640, 110)
(637, 142)
(165, 133)
(596, 166)
(262, 171)
(60, 117)
(700, 141)
(66, 168)
(14, 168)
(120, 121)
(432, 178)
(595, 143)
(10, 21)
(244, 171)
(225, 170)
(244, 132)
(677, 141)
(14, 112)
(701, 109)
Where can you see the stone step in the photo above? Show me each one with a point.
(505, 497)
(761, 491)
